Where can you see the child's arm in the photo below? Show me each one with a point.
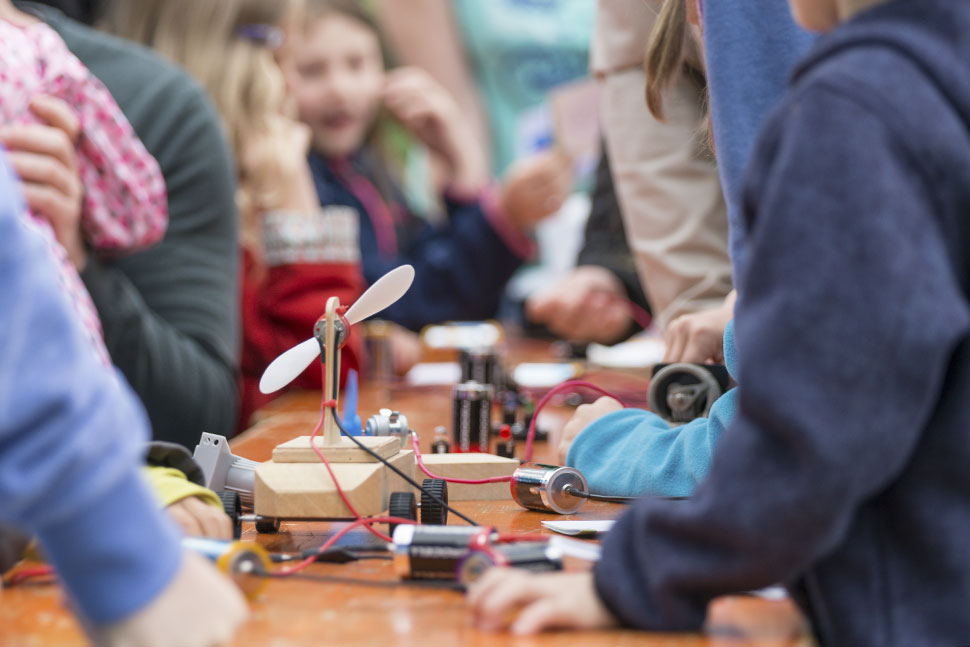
(633, 452)
(426, 109)
(69, 453)
(179, 486)
(125, 205)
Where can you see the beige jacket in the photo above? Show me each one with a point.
(664, 174)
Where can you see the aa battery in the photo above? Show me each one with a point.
(479, 365)
(431, 552)
(472, 417)
(535, 556)
(456, 553)
(544, 487)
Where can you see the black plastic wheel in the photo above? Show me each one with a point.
(267, 525)
(233, 507)
(401, 504)
(432, 512)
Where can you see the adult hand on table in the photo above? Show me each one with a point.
(527, 603)
(584, 416)
(199, 608)
(43, 157)
(587, 305)
(699, 336)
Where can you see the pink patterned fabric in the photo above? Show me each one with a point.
(125, 205)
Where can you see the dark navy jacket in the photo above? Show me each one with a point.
(461, 266)
(846, 476)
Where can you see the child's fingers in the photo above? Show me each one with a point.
(483, 587)
(545, 613)
(508, 590)
(186, 521)
(57, 114)
(42, 169)
(40, 140)
(209, 517)
(676, 340)
(42, 200)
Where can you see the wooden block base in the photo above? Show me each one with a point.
(306, 491)
(298, 450)
(472, 466)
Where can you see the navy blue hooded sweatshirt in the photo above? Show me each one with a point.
(846, 475)
(461, 265)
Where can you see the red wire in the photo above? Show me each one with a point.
(289, 570)
(641, 316)
(420, 462)
(571, 384)
(331, 404)
(27, 573)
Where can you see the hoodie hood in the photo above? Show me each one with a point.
(933, 34)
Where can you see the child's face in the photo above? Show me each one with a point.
(815, 15)
(336, 74)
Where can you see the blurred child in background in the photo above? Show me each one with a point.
(334, 64)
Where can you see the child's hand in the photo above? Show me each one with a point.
(565, 307)
(198, 608)
(584, 417)
(405, 349)
(699, 336)
(199, 519)
(426, 109)
(43, 156)
(536, 187)
(531, 603)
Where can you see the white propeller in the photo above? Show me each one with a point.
(385, 291)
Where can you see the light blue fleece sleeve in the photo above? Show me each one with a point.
(635, 452)
(71, 438)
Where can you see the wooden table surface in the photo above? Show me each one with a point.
(298, 612)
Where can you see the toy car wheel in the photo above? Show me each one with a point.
(267, 525)
(233, 507)
(432, 512)
(681, 392)
(401, 504)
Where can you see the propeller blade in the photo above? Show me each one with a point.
(385, 291)
(288, 366)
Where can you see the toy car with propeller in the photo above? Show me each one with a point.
(337, 476)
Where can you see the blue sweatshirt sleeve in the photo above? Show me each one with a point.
(71, 434)
(751, 49)
(837, 189)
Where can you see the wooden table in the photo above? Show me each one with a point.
(298, 612)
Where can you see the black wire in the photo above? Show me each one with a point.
(434, 497)
(615, 499)
(384, 584)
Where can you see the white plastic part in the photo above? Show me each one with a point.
(385, 291)
(288, 366)
(223, 470)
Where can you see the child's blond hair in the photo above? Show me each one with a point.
(204, 37)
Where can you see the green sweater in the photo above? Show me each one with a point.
(170, 313)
